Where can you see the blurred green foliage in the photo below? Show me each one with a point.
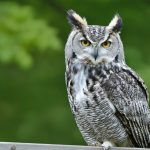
(21, 34)
(33, 102)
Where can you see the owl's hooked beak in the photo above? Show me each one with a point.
(97, 59)
(95, 54)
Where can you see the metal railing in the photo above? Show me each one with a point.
(31, 146)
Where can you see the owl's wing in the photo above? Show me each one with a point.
(138, 79)
(129, 96)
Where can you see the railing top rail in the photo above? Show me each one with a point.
(32, 146)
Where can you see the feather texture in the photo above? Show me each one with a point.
(108, 99)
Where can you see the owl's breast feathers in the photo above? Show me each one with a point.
(125, 91)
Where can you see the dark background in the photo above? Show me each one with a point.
(33, 99)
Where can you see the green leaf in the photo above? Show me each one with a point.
(21, 33)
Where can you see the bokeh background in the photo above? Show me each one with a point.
(33, 99)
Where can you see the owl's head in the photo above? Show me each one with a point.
(94, 44)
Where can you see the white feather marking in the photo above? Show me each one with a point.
(112, 106)
(81, 20)
(80, 86)
(113, 22)
(104, 59)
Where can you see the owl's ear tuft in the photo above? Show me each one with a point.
(75, 20)
(116, 23)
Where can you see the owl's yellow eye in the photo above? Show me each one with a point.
(85, 43)
(106, 44)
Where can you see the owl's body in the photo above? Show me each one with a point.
(107, 98)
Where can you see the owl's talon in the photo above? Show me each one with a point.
(107, 145)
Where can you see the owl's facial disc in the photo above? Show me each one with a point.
(103, 49)
(93, 44)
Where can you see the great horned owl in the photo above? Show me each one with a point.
(108, 99)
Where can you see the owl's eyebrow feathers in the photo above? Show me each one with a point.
(88, 37)
(109, 36)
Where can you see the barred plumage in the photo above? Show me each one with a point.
(108, 99)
